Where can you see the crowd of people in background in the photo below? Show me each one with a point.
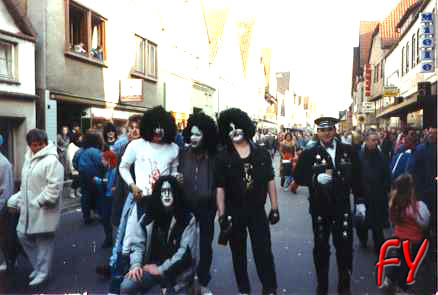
(398, 174)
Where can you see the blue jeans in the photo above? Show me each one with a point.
(147, 282)
(117, 262)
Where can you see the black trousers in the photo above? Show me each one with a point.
(342, 230)
(378, 236)
(205, 215)
(256, 223)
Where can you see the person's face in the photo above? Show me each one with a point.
(133, 131)
(288, 137)
(432, 135)
(64, 130)
(167, 199)
(158, 135)
(196, 137)
(372, 141)
(111, 136)
(326, 134)
(237, 135)
(36, 146)
(411, 138)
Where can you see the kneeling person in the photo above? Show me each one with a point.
(161, 242)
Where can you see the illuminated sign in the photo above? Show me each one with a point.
(426, 42)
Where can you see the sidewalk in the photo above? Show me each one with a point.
(69, 203)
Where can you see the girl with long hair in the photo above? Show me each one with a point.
(409, 219)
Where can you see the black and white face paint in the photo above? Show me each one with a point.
(158, 133)
(196, 137)
(236, 135)
(166, 195)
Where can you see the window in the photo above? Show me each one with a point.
(86, 32)
(145, 58)
(403, 62)
(7, 61)
(418, 47)
(407, 57)
(414, 50)
(381, 70)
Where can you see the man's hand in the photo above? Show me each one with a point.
(152, 269)
(361, 209)
(224, 223)
(136, 192)
(274, 216)
(135, 274)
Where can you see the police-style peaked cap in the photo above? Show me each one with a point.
(326, 122)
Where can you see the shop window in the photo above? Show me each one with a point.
(418, 47)
(145, 58)
(403, 62)
(86, 32)
(414, 50)
(7, 61)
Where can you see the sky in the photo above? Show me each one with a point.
(314, 40)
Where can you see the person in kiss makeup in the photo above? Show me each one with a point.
(244, 177)
(197, 168)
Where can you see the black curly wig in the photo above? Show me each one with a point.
(154, 118)
(108, 128)
(209, 130)
(240, 119)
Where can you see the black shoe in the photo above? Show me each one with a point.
(104, 270)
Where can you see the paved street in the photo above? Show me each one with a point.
(78, 252)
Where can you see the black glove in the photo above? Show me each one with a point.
(225, 232)
(274, 216)
(224, 222)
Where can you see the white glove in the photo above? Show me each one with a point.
(361, 209)
(324, 178)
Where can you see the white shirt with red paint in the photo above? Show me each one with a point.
(151, 161)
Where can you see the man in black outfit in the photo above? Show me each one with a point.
(244, 177)
(330, 169)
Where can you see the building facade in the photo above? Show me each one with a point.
(17, 82)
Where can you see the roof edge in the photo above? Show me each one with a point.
(21, 20)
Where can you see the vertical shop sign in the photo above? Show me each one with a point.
(426, 42)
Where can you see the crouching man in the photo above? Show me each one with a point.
(161, 242)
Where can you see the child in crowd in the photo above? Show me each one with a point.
(106, 188)
(292, 186)
(409, 219)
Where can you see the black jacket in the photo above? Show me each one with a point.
(376, 180)
(346, 178)
(229, 175)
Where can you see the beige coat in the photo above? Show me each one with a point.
(39, 198)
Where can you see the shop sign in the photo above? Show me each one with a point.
(368, 107)
(131, 90)
(391, 91)
(426, 42)
(367, 75)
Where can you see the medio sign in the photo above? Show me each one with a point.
(426, 42)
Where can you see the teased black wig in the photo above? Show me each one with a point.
(240, 119)
(208, 127)
(154, 118)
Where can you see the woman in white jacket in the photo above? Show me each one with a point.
(38, 202)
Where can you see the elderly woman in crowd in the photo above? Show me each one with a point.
(38, 203)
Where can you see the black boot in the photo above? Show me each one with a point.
(344, 283)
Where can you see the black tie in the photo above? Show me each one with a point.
(328, 145)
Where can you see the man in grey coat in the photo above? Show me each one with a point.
(6, 189)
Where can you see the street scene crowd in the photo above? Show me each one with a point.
(157, 190)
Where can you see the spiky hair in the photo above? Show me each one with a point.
(209, 130)
(155, 205)
(154, 118)
(240, 119)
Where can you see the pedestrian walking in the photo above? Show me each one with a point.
(39, 203)
(197, 170)
(6, 190)
(331, 170)
(400, 160)
(72, 148)
(244, 178)
(376, 183)
(287, 152)
(109, 135)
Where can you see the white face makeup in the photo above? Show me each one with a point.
(166, 195)
(159, 133)
(196, 137)
(236, 135)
